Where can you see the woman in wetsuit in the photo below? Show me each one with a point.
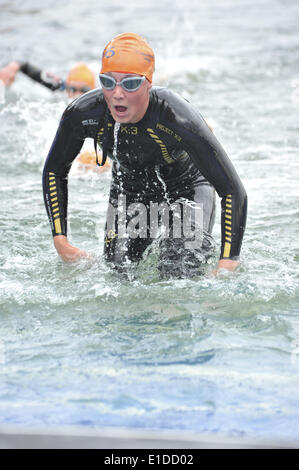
(79, 80)
(163, 152)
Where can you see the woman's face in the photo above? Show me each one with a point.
(75, 89)
(125, 106)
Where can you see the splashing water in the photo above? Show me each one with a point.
(115, 136)
(162, 181)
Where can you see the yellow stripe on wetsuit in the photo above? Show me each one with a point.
(228, 226)
(163, 148)
(54, 203)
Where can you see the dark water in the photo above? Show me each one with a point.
(79, 345)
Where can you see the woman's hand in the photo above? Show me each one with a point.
(8, 73)
(66, 251)
(228, 264)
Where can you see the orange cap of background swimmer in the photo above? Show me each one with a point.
(129, 53)
(81, 73)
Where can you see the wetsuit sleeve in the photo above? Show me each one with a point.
(44, 78)
(66, 146)
(217, 168)
(214, 164)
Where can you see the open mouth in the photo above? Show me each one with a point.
(121, 109)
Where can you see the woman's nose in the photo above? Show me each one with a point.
(118, 91)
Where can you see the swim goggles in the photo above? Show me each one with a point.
(128, 83)
(63, 86)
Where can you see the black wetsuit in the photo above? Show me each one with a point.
(170, 155)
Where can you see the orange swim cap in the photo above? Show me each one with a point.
(81, 73)
(129, 53)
